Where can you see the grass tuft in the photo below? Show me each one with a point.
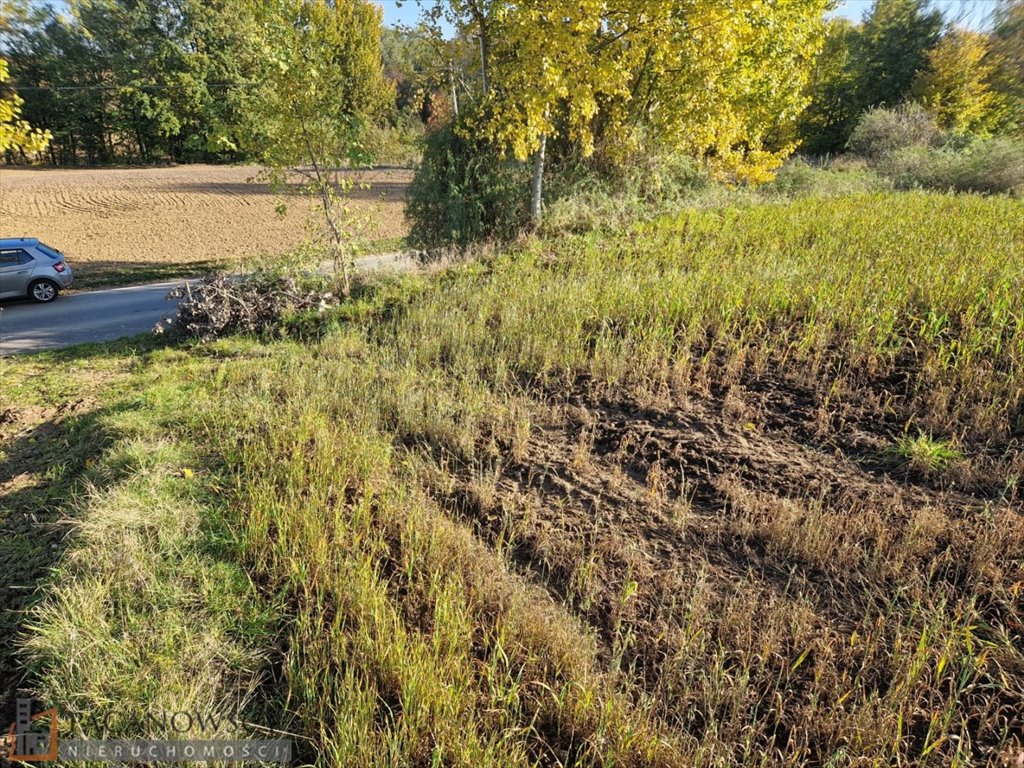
(924, 453)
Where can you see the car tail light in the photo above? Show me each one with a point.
(59, 266)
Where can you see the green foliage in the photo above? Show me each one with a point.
(411, 64)
(320, 78)
(865, 66)
(464, 191)
(905, 146)
(882, 131)
(397, 144)
(994, 165)
(955, 87)
(892, 48)
(798, 178)
(826, 123)
(138, 81)
(643, 186)
(1007, 57)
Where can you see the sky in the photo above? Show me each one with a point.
(973, 12)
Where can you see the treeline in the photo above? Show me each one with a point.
(131, 80)
(148, 81)
(151, 81)
(903, 51)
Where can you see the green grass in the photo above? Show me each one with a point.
(836, 288)
(309, 566)
(115, 572)
(924, 453)
(88, 279)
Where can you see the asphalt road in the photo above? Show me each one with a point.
(107, 315)
(81, 317)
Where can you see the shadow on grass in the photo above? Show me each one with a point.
(95, 275)
(46, 469)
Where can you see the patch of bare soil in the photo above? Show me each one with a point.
(116, 219)
(730, 539)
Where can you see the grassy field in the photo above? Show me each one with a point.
(737, 487)
(134, 225)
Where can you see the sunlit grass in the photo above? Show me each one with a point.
(833, 288)
(923, 452)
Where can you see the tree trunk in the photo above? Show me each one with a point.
(485, 55)
(537, 186)
(455, 93)
(480, 17)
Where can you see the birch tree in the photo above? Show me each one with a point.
(321, 80)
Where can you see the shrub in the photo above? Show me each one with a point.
(798, 178)
(883, 131)
(394, 145)
(464, 191)
(641, 188)
(992, 165)
(987, 165)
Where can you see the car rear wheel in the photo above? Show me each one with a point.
(43, 291)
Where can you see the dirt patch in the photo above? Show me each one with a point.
(117, 220)
(714, 537)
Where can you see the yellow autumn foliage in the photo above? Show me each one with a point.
(16, 133)
(719, 79)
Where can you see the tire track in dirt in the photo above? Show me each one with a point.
(631, 515)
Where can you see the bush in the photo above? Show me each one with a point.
(464, 192)
(643, 187)
(394, 145)
(987, 165)
(883, 131)
(798, 178)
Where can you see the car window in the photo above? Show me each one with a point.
(50, 251)
(15, 256)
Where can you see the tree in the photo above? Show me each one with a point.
(17, 134)
(1007, 52)
(716, 80)
(144, 80)
(321, 77)
(831, 113)
(955, 86)
(892, 48)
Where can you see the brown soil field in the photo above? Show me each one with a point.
(122, 225)
(734, 525)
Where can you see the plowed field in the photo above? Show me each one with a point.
(136, 224)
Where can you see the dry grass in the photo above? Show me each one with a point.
(138, 224)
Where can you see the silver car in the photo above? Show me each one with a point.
(31, 268)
